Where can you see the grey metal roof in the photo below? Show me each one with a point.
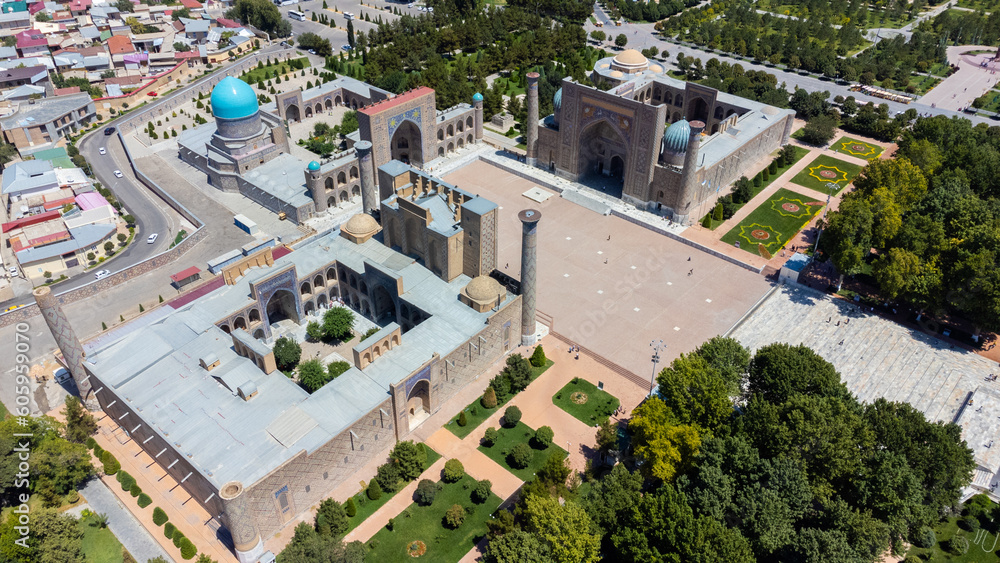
(8, 52)
(227, 438)
(82, 237)
(395, 168)
(479, 205)
(28, 175)
(23, 91)
(46, 110)
(281, 177)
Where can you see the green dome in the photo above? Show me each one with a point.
(233, 99)
(676, 138)
(313, 166)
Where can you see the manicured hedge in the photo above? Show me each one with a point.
(169, 530)
(144, 500)
(188, 550)
(159, 516)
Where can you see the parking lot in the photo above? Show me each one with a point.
(335, 11)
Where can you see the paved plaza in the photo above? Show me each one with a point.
(875, 356)
(615, 295)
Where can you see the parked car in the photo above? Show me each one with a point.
(102, 274)
(12, 271)
(118, 174)
(312, 51)
(102, 150)
(346, 47)
(60, 375)
(151, 238)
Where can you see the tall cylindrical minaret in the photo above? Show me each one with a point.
(690, 185)
(531, 127)
(369, 196)
(787, 133)
(477, 104)
(68, 343)
(316, 187)
(529, 257)
(236, 517)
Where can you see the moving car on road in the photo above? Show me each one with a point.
(118, 174)
(102, 274)
(109, 130)
(151, 238)
(102, 150)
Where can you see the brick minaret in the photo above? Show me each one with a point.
(68, 343)
(369, 195)
(690, 185)
(477, 104)
(531, 127)
(236, 516)
(529, 258)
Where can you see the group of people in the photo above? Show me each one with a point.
(990, 377)
(574, 348)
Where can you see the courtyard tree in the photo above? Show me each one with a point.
(555, 471)
(543, 437)
(511, 416)
(374, 491)
(490, 437)
(607, 436)
(516, 546)
(426, 491)
(538, 357)
(454, 517)
(337, 323)
(482, 491)
(520, 456)
(80, 424)
(314, 331)
(598, 35)
(819, 130)
(565, 528)
(287, 353)
(730, 358)
(779, 371)
(621, 40)
(453, 471)
(331, 518)
(848, 238)
(410, 458)
(312, 375)
(489, 399)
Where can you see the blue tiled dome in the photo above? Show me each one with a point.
(313, 166)
(557, 100)
(477, 97)
(676, 137)
(233, 99)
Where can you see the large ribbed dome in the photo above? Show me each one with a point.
(630, 57)
(676, 137)
(233, 99)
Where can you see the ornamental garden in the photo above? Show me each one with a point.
(775, 221)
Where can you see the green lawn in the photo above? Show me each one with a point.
(799, 153)
(948, 529)
(475, 414)
(257, 74)
(367, 507)
(99, 544)
(826, 170)
(856, 148)
(425, 523)
(510, 437)
(774, 222)
(586, 402)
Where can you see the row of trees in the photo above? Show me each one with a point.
(931, 216)
(800, 472)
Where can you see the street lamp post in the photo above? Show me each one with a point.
(657, 345)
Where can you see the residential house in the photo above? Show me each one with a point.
(45, 121)
(15, 20)
(32, 43)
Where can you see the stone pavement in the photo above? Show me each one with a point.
(136, 539)
(875, 356)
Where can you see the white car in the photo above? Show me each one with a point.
(60, 375)
(102, 274)
(13, 271)
(118, 174)
(102, 150)
(151, 238)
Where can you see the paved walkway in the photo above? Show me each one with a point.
(136, 539)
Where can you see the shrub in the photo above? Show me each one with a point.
(350, 508)
(489, 400)
(121, 476)
(757, 181)
(91, 443)
(491, 436)
(958, 545)
(706, 221)
(511, 416)
(188, 550)
(453, 471)
(462, 420)
(169, 530)
(127, 483)
(543, 437)
(538, 357)
(717, 213)
(482, 491)
(178, 537)
(455, 516)
(159, 516)
(765, 175)
(143, 501)
(331, 519)
(925, 538)
(969, 523)
(520, 456)
(374, 491)
(390, 524)
(773, 167)
(134, 490)
(111, 465)
(426, 491)
(388, 476)
(73, 497)
(409, 458)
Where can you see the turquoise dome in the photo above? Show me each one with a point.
(557, 100)
(233, 99)
(313, 166)
(677, 135)
(477, 97)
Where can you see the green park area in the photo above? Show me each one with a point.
(99, 544)
(425, 531)
(968, 537)
(825, 170)
(265, 72)
(586, 402)
(517, 450)
(479, 410)
(854, 147)
(774, 222)
(367, 506)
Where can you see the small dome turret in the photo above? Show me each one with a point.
(477, 97)
(313, 166)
